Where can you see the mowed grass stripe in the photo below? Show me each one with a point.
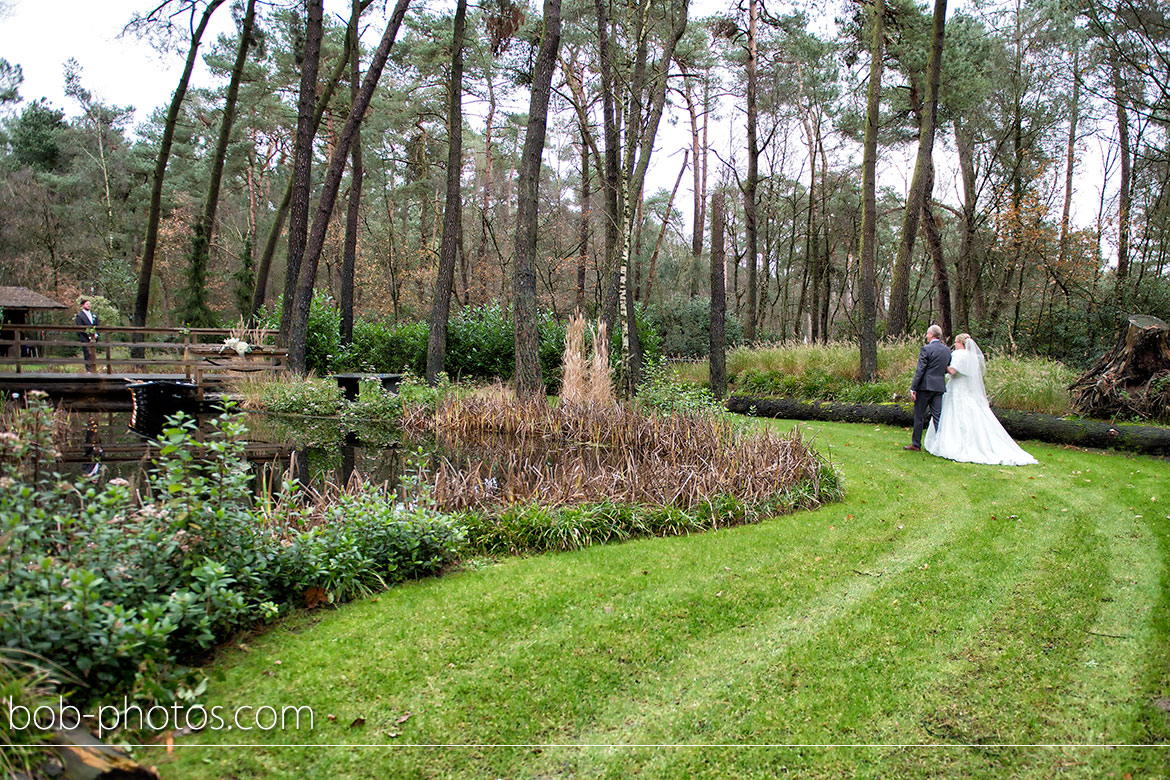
(855, 675)
(848, 603)
(569, 647)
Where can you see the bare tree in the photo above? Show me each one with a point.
(453, 212)
(299, 325)
(164, 15)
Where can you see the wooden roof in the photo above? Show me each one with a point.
(24, 298)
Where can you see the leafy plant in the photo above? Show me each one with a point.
(122, 591)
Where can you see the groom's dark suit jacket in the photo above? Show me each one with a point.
(931, 375)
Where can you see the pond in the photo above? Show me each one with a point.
(102, 445)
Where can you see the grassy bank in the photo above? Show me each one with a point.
(829, 372)
(998, 606)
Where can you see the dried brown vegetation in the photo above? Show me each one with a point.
(585, 378)
(512, 451)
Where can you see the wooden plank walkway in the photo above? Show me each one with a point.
(32, 358)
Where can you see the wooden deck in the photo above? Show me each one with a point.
(50, 358)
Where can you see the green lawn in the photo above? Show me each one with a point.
(940, 605)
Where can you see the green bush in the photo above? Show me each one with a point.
(323, 341)
(480, 345)
(120, 592)
(813, 385)
(685, 325)
(661, 392)
(363, 542)
(315, 396)
(385, 348)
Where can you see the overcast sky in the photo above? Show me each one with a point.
(40, 36)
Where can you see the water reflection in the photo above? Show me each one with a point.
(103, 446)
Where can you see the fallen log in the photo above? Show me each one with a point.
(1144, 439)
(84, 757)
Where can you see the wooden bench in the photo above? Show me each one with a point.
(350, 383)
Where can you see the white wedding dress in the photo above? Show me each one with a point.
(968, 431)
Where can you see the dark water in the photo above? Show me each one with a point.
(317, 453)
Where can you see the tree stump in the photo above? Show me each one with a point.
(1133, 379)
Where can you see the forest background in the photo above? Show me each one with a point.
(1041, 217)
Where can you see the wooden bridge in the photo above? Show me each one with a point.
(50, 358)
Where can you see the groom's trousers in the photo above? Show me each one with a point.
(926, 402)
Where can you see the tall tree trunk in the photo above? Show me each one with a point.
(302, 167)
(966, 266)
(868, 335)
(485, 203)
(527, 338)
(150, 246)
(900, 284)
(717, 356)
(583, 231)
(356, 174)
(1071, 156)
(609, 309)
(195, 311)
(452, 212)
(350, 250)
(941, 276)
(641, 136)
(1124, 194)
(750, 186)
(299, 327)
(700, 197)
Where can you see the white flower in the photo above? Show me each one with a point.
(239, 345)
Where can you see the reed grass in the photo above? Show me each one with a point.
(830, 372)
(575, 365)
(526, 451)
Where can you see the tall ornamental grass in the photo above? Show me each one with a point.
(830, 372)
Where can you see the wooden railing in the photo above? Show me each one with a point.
(192, 352)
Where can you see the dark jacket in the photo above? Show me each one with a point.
(83, 322)
(931, 375)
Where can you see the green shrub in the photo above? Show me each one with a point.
(362, 542)
(323, 340)
(120, 592)
(661, 392)
(685, 325)
(480, 346)
(385, 348)
(313, 396)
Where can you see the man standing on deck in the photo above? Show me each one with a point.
(88, 320)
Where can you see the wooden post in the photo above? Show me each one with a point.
(16, 342)
(187, 356)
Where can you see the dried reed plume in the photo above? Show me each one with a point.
(600, 386)
(575, 386)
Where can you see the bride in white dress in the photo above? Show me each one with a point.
(968, 431)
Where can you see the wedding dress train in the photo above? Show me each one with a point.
(968, 431)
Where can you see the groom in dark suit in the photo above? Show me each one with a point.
(87, 319)
(929, 383)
